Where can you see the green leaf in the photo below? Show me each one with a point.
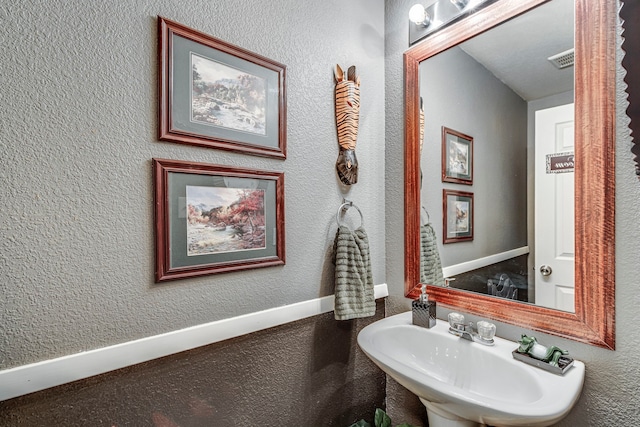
(404, 425)
(361, 423)
(382, 419)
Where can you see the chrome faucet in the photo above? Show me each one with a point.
(458, 328)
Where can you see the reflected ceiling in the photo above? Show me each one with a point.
(516, 52)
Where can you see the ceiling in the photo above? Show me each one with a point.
(516, 52)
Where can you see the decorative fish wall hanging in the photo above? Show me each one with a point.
(347, 98)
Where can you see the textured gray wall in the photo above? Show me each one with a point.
(609, 396)
(461, 94)
(78, 130)
(396, 41)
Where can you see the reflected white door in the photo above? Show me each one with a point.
(554, 208)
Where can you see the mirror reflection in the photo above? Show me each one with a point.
(497, 160)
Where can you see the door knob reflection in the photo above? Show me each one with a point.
(545, 270)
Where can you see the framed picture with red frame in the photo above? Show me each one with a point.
(457, 207)
(457, 157)
(216, 219)
(217, 95)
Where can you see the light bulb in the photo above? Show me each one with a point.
(418, 15)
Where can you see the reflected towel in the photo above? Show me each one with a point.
(354, 295)
(430, 265)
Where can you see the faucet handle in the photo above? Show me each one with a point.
(486, 330)
(455, 319)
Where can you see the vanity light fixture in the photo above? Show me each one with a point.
(460, 4)
(425, 20)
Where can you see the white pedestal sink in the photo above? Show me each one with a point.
(463, 383)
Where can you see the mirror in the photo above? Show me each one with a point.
(593, 319)
(522, 215)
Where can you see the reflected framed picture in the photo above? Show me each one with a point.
(216, 219)
(457, 157)
(217, 95)
(457, 216)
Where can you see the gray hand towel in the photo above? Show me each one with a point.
(354, 296)
(430, 265)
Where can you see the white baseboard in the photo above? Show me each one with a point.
(463, 267)
(49, 373)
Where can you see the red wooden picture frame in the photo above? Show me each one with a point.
(457, 223)
(217, 95)
(216, 219)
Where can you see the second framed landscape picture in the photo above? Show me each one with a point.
(216, 219)
(457, 207)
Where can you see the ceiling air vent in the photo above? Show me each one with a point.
(562, 59)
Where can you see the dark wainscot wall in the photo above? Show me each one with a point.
(306, 373)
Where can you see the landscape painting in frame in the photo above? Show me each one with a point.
(214, 219)
(227, 97)
(217, 95)
(457, 157)
(458, 216)
(224, 220)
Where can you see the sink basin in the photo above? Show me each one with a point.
(463, 383)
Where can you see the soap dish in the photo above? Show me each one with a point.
(564, 363)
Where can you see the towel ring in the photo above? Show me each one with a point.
(346, 204)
